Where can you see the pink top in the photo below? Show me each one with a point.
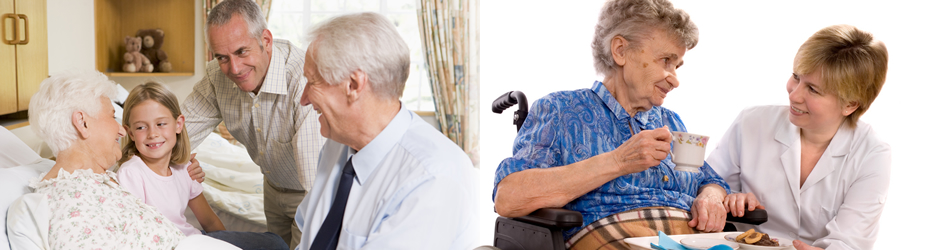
(169, 194)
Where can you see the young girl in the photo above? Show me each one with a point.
(154, 162)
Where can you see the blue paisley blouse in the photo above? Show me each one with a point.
(570, 126)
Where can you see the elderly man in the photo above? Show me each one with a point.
(254, 86)
(604, 151)
(387, 179)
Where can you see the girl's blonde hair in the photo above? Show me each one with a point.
(161, 94)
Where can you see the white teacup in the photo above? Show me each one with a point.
(689, 151)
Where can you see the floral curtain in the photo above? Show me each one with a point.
(264, 7)
(448, 37)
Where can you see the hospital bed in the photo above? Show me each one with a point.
(233, 185)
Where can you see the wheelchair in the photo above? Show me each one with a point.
(542, 229)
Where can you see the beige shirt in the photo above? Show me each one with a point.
(280, 135)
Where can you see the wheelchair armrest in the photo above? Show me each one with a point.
(756, 217)
(553, 217)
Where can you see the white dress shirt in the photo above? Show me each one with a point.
(271, 124)
(839, 204)
(414, 189)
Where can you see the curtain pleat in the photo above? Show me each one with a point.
(444, 31)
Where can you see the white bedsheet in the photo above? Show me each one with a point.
(233, 185)
(30, 215)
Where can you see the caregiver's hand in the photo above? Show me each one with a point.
(800, 245)
(736, 203)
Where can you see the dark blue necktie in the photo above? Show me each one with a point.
(327, 237)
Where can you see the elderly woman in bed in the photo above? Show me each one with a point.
(79, 202)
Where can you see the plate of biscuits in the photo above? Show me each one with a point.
(754, 240)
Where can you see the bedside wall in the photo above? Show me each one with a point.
(71, 34)
(71, 44)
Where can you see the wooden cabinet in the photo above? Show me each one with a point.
(116, 19)
(24, 52)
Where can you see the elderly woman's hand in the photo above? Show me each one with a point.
(642, 151)
(738, 201)
(708, 212)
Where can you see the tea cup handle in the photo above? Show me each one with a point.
(672, 156)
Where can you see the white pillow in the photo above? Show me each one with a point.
(13, 151)
(36, 144)
(13, 184)
(28, 222)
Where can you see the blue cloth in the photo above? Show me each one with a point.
(666, 243)
(570, 126)
(250, 240)
(413, 189)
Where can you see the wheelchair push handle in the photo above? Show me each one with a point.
(756, 217)
(509, 99)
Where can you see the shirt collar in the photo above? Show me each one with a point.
(788, 134)
(366, 160)
(616, 108)
(272, 81)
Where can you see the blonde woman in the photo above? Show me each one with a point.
(821, 172)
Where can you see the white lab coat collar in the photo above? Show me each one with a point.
(830, 161)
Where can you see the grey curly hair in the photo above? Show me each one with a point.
(634, 20)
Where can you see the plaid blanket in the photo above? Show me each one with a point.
(610, 232)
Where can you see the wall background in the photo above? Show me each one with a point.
(71, 44)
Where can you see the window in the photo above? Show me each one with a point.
(290, 19)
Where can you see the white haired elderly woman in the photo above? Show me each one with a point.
(78, 204)
(604, 151)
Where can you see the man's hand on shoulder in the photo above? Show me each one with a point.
(195, 171)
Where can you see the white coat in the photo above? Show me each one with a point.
(839, 204)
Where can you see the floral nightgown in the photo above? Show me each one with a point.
(91, 211)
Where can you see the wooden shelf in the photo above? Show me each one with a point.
(158, 74)
(14, 124)
(15, 120)
(116, 19)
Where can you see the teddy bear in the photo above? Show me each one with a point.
(134, 61)
(152, 44)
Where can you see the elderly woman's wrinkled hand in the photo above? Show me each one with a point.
(642, 151)
(708, 210)
(737, 202)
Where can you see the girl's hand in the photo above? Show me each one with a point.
(195, 170)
